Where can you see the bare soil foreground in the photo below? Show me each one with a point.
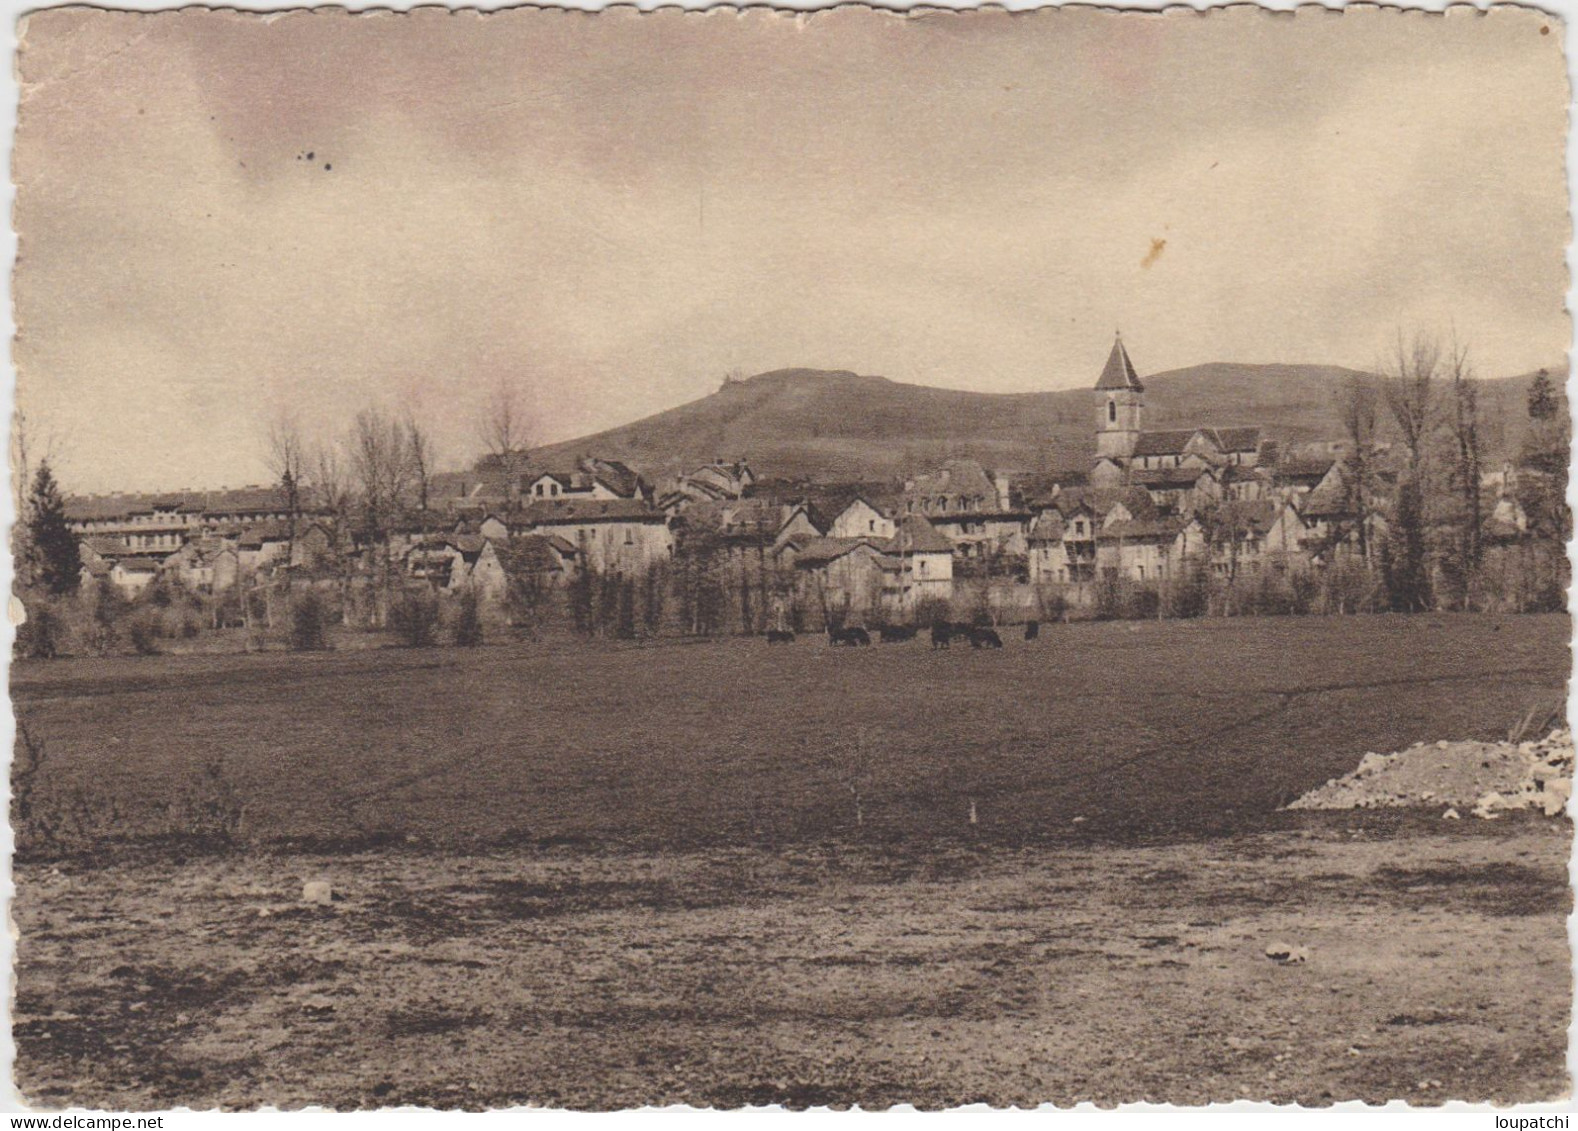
(599, 876)
(937, 975)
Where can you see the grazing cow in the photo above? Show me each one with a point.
(985, 638)
(1032, 629)
(895, 633)
(940, 636)
(779, 636)
(849, 637)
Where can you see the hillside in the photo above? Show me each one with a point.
(838, 425)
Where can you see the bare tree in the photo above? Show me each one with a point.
(1357, 405)
(1409, 385)
(420, 451)
(285, 453)
(1466, 463)
(1410, 391)
(503, 425)
(331, 495)
(380, 462)
(331, 487)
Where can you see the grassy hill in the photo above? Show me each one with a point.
(838, 425)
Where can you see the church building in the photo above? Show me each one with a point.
(1181, 468)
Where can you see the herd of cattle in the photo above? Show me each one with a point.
(943, 634)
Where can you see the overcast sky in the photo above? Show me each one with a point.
(221, 215)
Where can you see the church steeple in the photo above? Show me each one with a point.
(1119, 406)
(1119, 373)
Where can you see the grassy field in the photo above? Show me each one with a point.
(1138, 728)
(722, 874)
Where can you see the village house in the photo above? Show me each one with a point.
(205, 565)
(1266, 534)
(132, 575)
(861, 519)
(625, 536)
(1063, 541)
(870, 575)
(974, 510)
(846, 580)
(591, 478)
(716, 482)
(1148, 549)
(925, 561)
(544, 560)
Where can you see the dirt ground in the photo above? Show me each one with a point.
(940, 974)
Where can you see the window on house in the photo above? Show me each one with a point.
(1112, 411)
(1139, 572)
(630, 537)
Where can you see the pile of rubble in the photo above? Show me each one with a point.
(1484, 778)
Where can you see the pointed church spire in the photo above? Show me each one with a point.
(1119, 373)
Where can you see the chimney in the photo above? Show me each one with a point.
(1000, 481)
(943, 479)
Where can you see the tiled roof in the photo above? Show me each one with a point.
(1169, 478)
(1047, 527)
(1143, 530)
(1119, 373)
(1136, 500)
(917, 536)
(561, 512)
(1304, 470)
(1166, 443)
(957, 477)
(820, 551)
(536, 553)
(1235, 439)
(1325, 504)
(240, 500)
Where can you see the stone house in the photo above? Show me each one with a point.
(625, 537)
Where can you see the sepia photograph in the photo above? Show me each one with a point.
(747, 558)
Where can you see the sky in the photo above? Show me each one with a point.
(224, 217)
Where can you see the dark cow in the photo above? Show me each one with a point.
(985, 638)
(1032, 629)
(895, 633)
(940, 635)
(849, 637)
(779, 636)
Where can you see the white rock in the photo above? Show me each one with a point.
(317, 891)
(1557, 793)
(1485, 808)
(1450, 815)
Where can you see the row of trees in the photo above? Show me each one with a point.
(379, 473)
(1429, 488)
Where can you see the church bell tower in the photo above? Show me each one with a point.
(1119, 403)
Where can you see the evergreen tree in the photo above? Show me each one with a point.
(56, 562)
(1542, 397)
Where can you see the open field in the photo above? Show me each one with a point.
(937, 974)
(723, 873)
(1139, 728)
